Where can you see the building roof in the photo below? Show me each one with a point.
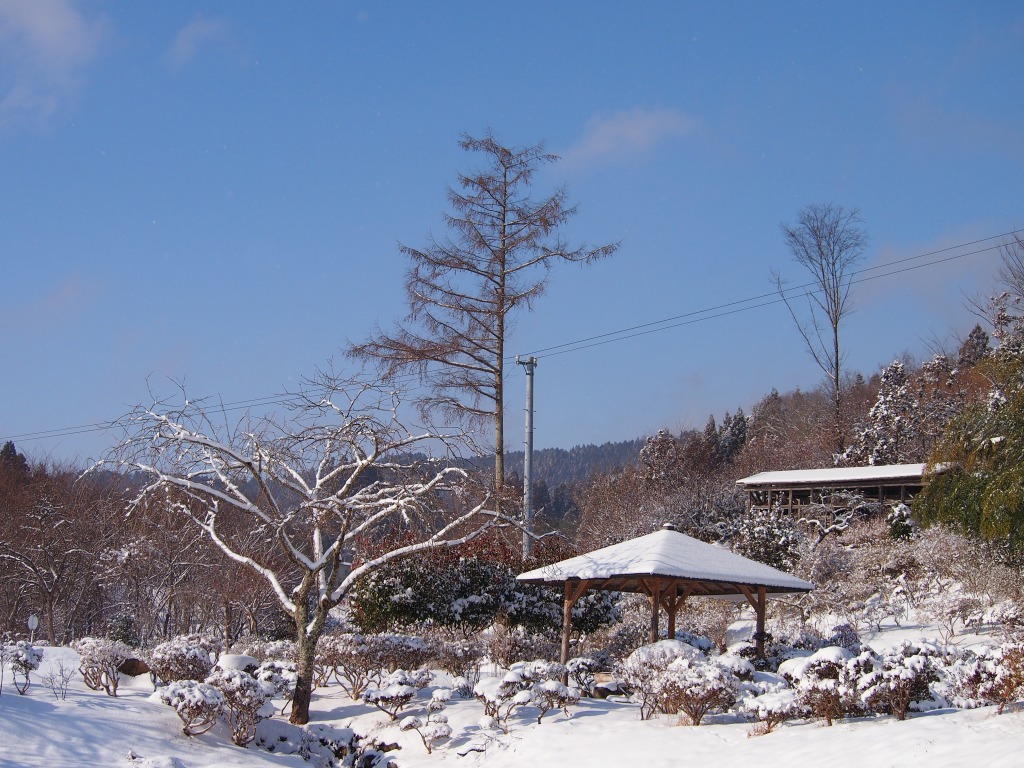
(884, 474)
(673, 555)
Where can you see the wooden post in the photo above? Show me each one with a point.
(570, 596)
(672, 593)
(566, 622)
(655, 601)
(758, 603)
(759, 610)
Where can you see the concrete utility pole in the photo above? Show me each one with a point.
(529, 364)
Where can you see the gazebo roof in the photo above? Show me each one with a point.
(668, 554)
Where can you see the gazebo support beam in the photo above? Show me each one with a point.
(759, 603)
(673, 601)
(573, 592)
(654, 589)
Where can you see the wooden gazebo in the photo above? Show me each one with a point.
(669, 567)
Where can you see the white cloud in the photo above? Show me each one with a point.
(626, 134)
(44, 45)
(194, 35)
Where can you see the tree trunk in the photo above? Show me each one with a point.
(306, 644)
(304, 677)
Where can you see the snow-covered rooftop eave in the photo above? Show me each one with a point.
(668, 554)
(886, 473)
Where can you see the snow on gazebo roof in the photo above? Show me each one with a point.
(880, 473)
(669, 554)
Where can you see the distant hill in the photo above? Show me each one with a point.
(558, 466)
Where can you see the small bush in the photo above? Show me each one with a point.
(642, 670)
(58, 680)
(772, 709)
(900, 677)
(694, 687)
(100, 659)
(244, 698)
(198, 704)
(992, 676)
(188, 657)
(278, 679)
(23, 659)
(826, 683)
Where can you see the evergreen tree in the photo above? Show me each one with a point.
(974, 348)
(13, 464)
(978, 481)
(889, 436)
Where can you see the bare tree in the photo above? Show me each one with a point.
(463, 290)
(1011, 273)
(51, 531)
(333, 489)
(828, 241)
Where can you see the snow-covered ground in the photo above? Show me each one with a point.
(135, 729)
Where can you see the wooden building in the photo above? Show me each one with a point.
(800, 490)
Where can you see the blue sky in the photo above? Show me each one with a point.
(214, 192)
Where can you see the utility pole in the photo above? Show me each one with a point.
(529, 364)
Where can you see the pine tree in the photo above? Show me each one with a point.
(889, 436)
(13, 464)
(974, 348)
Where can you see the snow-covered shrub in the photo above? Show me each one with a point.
(244, 698)
(772, 709)
(321, 745)
(706, 618)
(901, 524)
(693, 687)
(700, 642)
(581, 672)
(506, 645)
(187, 657)
(845, 636)
(542, 681)
(898, 677)
(768, 536)
(268, 650)
(23, 659)
(100, 659)
(198, 704)
(826, 683)
(400, 651)
(991, 676)
(353, 659)
(949, 610)
(459, 658)
(431, 730)
(397, 690)
(641, 671)
(278, 679)
(1005, 615)
(547, 695)
(124, 628)
(434, 727)
(501, 696)
(330, 652)
(736, 664)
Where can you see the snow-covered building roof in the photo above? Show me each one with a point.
(832, 476)
(668, 554)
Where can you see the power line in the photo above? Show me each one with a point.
(623, 334)
(762, 300)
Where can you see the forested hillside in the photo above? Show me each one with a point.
(560, 466)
